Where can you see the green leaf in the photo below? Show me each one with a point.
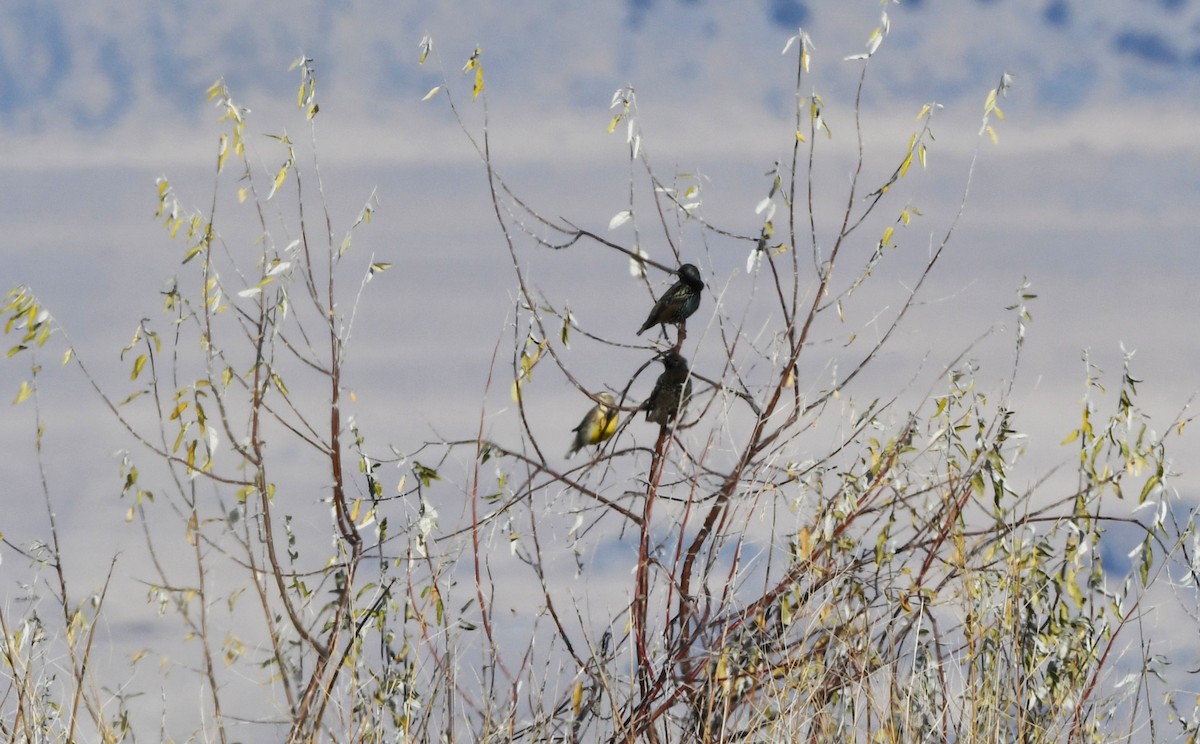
(977, 483)
(424, 474)
(1151, 482)
(1072, 587)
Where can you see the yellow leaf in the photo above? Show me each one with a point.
(23, 393)
(800, 136)
(242, 194)
(921, 154)
(924, 110)
(222, 152)
(67, 355)
(279, 178)
(905, 217)
(991, 133)
(432, 92)
(137, 366)
(990, 103)
(804, 544)
(612, 125)
(887, 235)
(478, 82)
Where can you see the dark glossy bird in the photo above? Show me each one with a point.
(671, 392)
(597, 426)
(679, 302)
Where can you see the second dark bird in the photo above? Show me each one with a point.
(671, 392)
(678, 302)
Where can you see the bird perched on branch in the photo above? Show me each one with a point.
(671, 392)
(597, 426)
(678, 302)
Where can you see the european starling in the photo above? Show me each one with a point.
(671, 392)
(679, 302)
(597, 426)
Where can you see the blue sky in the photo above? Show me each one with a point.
(1090, 193)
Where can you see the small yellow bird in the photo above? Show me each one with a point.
(597, 426)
